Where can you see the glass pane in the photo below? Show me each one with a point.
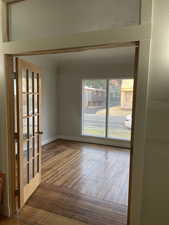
(36, 100)
(26, 152)
(31, 168)
(30, 104)
(31, 148)
(25, 161)
(30, 82)
(26, 174)
(36, 124)
(25, 128)
(94, 108)
(30, 160)
(24, 104)
(120, 108)
(31, 126)
(36, 159)
(35, 84)
(36, 165)
(15, 105)
(24, 82)
(37, 145)
(16, 165)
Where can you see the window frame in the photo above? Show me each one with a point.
(106, 137)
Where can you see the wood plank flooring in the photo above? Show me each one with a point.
(85, 183)
(99, 171)
(36, 216)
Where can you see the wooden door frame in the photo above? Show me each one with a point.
(141, 34)
(9, 70)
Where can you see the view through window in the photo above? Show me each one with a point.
(107, 108)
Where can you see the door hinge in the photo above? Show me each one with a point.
(13, 75)
(17, 192)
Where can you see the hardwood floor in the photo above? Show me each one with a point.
(101, 172)
(81, 184)
(37, 216)
(11, 221)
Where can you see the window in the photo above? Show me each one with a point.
(94, 101)
(107, 108)
(120, 108)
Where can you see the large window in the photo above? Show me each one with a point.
(107, 108)
(94, 101)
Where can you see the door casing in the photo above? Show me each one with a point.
(9, 61)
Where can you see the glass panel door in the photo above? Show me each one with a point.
(29, 90)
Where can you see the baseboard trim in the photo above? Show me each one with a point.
(92, 140)
(95, 140)
(51, 139)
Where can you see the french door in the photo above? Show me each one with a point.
(28, 126)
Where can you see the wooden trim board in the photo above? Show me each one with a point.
(133, 129)
(10, 115)
(79, 49)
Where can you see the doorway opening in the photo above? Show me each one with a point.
(85, 171)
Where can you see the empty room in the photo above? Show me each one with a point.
(74, 111)
(83, 96)
(73, 118)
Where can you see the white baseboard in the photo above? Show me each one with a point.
(95, 140)
(49, 140)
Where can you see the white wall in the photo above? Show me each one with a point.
(70, 89)
(60, 17)
(155, 209)
(62, 94)
(50, 120)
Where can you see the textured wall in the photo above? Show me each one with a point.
(60, 17)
